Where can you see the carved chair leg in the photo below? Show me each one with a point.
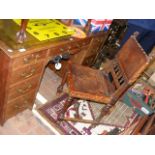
(67, 104)
(60, 87)
(104, 111)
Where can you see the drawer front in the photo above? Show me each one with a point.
(28, 59)
(71, 47)
(23, 87)
(19, 104)
(75, 45)
(26, 72)
(82, 43)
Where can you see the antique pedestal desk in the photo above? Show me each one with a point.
(22, 65)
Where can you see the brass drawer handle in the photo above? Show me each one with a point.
(27, 60)
(26, 105)
(20, 107)
(61, 49)
(37, 57)
(27, 75)
(22, 91)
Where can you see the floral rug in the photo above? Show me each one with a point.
(119, 119)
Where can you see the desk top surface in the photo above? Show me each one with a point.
(9, 44)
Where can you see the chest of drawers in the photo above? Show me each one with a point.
(20, 78)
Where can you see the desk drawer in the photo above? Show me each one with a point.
(28, 59)
(82, 43)
(26, 72)
(74, 45)
(19, 104)
(23, 87)
(70, 47)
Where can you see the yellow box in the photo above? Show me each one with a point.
(45, 29)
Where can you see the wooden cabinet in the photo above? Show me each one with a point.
(20, 82)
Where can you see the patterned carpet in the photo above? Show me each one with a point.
(120, 118)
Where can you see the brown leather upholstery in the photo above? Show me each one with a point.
(132, 58)
(91, 86)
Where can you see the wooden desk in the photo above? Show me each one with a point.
(21, 72)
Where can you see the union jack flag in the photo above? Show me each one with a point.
(96, 24)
